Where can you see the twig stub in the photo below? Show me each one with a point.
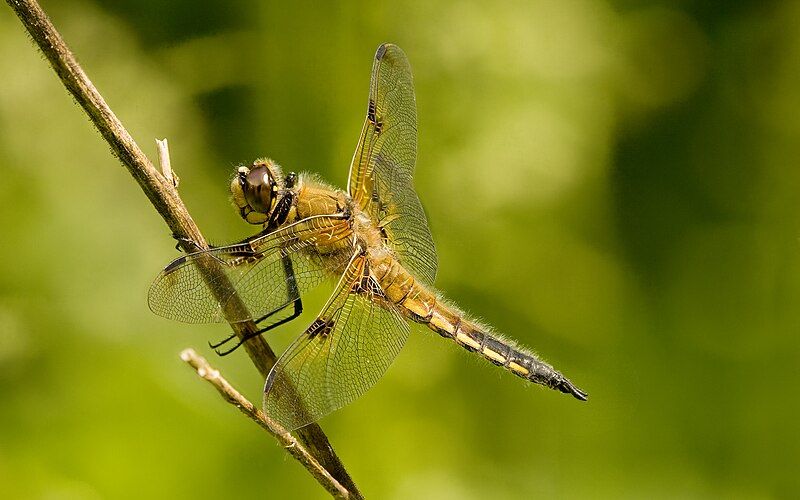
(164, 162)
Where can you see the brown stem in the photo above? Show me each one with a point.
(284, 438)
(164, 197)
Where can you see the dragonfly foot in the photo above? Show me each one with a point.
(241, 341)
(181, 240)
(228, 351)
(222, 342)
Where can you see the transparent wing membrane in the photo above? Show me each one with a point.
(340, 356)
(382, 170)
(359, 331)
(258, 271)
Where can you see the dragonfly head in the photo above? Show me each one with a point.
(256, 190)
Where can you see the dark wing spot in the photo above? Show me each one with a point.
(320, 328)
(175, 263)
(368, 286)
(381, 51)
(362, 285)
(371, 112)
(242, 254)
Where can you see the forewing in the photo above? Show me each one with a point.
(382, 170)
(256, 270)
(340, 356)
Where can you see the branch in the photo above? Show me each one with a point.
(164, 197)
(232, 396)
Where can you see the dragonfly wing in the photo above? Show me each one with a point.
(340, 356)
(256, 270)
(382, 170)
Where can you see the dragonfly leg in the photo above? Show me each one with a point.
(298, 309)
(293, 297)
(183, 240)
(222, 342)
(260, 331)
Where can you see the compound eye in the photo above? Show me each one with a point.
(259, 189)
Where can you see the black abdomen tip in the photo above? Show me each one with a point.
(568, 387)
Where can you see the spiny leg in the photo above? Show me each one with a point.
(293, 298)
(186, 241)
(193, 244)
(298, 309)
(257, 321)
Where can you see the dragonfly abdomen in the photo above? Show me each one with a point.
(421, 305)
(451, 323)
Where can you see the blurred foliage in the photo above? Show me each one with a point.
(624, 175)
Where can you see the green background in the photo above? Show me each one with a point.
(614, 184)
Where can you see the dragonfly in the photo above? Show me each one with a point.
(372, 240)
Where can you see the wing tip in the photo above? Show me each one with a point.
(381, 51)
(384, 48)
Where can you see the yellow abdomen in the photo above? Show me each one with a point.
(420, 304)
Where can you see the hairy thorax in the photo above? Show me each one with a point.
(314, 197)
